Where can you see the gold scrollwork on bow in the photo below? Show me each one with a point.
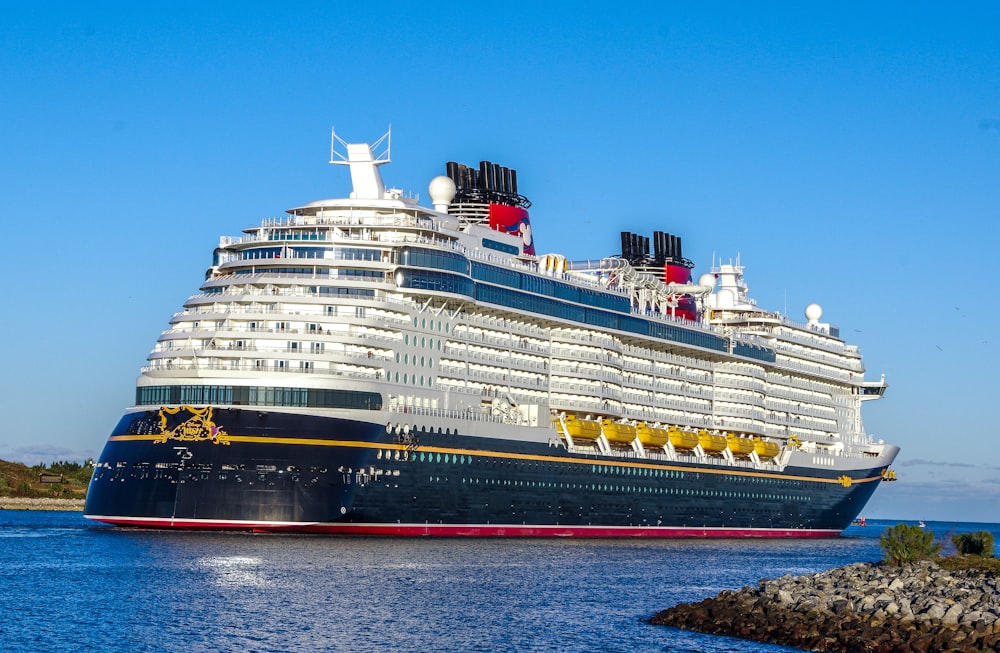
(197, 428)
(845, 481)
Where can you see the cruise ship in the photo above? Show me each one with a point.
(371, 366)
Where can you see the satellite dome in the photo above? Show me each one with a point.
(707, 279)
(814, 312)
(442, 192)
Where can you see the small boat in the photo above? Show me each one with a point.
(711, 442)
(766, 450)
(582, 428)
(619, 432)
(739, 446)
(682, 439)
(651, 435)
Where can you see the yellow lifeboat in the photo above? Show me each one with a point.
(617, 431)
(651, 435)
(765, 449)
(711, 442)
(739, 446)
(682, 439)
(584, 429)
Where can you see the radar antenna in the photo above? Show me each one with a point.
(340, 156)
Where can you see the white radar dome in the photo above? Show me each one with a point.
(707, 279)
(814, 312)
(442, 192)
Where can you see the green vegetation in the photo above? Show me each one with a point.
(903, 544)
(60, 480)
(979, 543)
(970, 563)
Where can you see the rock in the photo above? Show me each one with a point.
(860, 607)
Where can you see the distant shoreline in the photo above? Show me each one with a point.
(37, 503)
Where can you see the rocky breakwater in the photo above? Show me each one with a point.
(860, 607)
(28, 503)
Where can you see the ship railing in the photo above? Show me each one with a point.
(722, 381)
(474, 414)
(504, 325)
(740, 368)
(462, 349)
(809, 340)
(587, 338)
(816, 370)
(304, 290)
(167, 367)
(577, 405)
(780, 391)
(802, 421)
(514, 364)
(785, 382)
(663, 358)
(657, 454)
(736, 397)
(838, 361)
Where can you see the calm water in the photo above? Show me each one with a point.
(69, 585)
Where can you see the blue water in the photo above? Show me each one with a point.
(67, 584)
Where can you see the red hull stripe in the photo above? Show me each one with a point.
(464, 530)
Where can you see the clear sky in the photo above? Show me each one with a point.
(849, 153)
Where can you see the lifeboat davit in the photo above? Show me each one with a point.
(583, 429)
(682, 439)
(711, 442)
(739, 446)
(651, 436)
(617, 431)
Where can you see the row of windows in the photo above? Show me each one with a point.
(629, 489)
(278, 269)
(460, 459)
(342, 292)
(548, 287)
(633, 324)
(433, 259)
(256, 396)
(295, 234)
(435, 281)
(754, 351)
(500, 247)
(333, 291)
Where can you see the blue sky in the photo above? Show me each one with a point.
(848, 153)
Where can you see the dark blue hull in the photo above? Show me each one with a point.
(239, 468)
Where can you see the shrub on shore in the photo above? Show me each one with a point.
(903, 544)
(979, 543)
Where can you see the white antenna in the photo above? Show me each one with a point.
(363, 162)
(343, 158)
